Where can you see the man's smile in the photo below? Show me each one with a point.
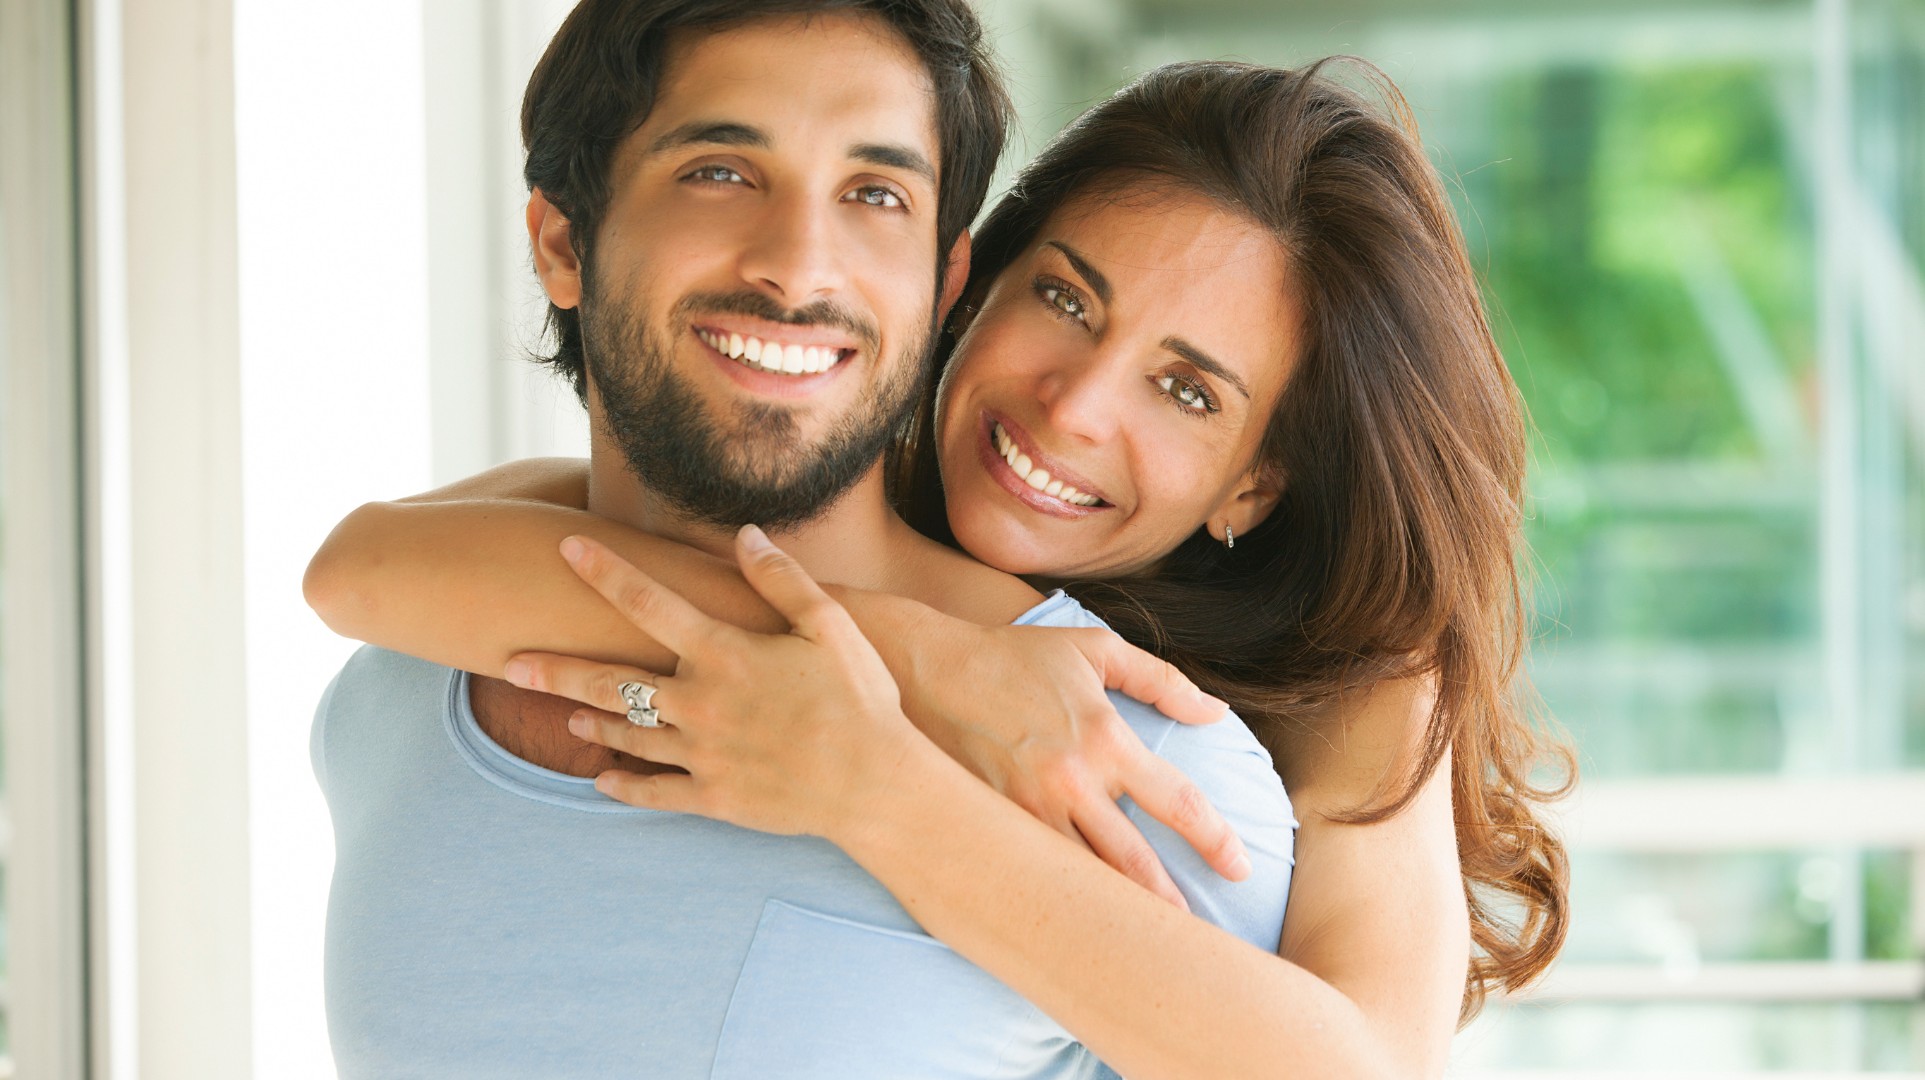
(777, 355)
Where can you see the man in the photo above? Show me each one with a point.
(800, 174)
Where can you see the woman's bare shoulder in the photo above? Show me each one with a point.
(1358, 748)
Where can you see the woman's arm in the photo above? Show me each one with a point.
(1374, 950)
(467, 576)
(1368, 984)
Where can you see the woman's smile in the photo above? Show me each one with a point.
(1036, 481)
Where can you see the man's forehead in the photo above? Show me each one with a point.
(846, 75)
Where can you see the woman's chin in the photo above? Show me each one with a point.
(1013, 550)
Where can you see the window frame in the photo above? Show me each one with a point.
(43, 644)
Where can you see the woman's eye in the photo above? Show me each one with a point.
(876, 196)
(718, 174)
(1064, 300)
(1187, 394)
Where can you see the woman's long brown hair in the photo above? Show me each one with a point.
(1399, 445)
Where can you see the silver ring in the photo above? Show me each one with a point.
(637, 695)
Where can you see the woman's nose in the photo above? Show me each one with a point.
(1084, 399)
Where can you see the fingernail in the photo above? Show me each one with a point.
(1216, 703)
(572, 549)
(578, 724)
(755, 539)
(517, 672)
(604, 785)
(1240, 867)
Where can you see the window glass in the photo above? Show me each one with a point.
(1703, 235)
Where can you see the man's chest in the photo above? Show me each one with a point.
(534, 727)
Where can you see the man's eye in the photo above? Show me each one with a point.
(876, 196)
(718, 174)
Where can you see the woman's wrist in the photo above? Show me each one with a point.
(911, 776)
(892, 623)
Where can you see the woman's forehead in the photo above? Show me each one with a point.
(1160, 228)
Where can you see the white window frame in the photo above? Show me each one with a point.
(43, 820)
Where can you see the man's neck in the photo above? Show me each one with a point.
(859, 541)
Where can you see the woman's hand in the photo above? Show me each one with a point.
(1025, 709)
(784, 733)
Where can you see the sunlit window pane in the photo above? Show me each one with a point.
(1702, 230)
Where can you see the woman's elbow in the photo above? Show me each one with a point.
(339, 584)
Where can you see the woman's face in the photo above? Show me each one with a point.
(1128, 363)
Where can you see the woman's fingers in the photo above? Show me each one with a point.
(661, 745)
(655, 791)
(1154, 682)
(590, 682)
(788, 588)
(1170, 797)
(651, 606)
(1117, 841)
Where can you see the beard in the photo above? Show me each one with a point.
(752, 464)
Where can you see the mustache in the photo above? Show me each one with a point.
(756, 305)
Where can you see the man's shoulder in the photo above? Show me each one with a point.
(1227, 740)
(373, 664)
(380, 679)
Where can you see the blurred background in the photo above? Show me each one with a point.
(263, 264)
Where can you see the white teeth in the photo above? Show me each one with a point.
(772, 356)
(1039, 479)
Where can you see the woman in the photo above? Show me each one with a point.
(1290, 463)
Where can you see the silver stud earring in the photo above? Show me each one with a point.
(1229, 538)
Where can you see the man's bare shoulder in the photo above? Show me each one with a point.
(534, 727)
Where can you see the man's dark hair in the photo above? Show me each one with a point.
(596, 85)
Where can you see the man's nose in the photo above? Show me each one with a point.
(792, 253)
(1086, 396)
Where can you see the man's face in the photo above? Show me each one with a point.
(759, 304)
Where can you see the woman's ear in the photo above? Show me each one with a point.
(555, 262)
(1247, 507)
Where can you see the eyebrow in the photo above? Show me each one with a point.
(730, 133)
(1097, 282)
(1206, 363)
(713, 132)
(1203, 361)
(894, 156)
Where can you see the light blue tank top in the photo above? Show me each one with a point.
(492, 918)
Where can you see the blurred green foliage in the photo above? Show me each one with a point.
(1619, 179)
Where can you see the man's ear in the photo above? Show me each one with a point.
(955, 275)
(555, 262)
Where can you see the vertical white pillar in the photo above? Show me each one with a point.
(335, 302)
(42, 706)
(184, 522)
